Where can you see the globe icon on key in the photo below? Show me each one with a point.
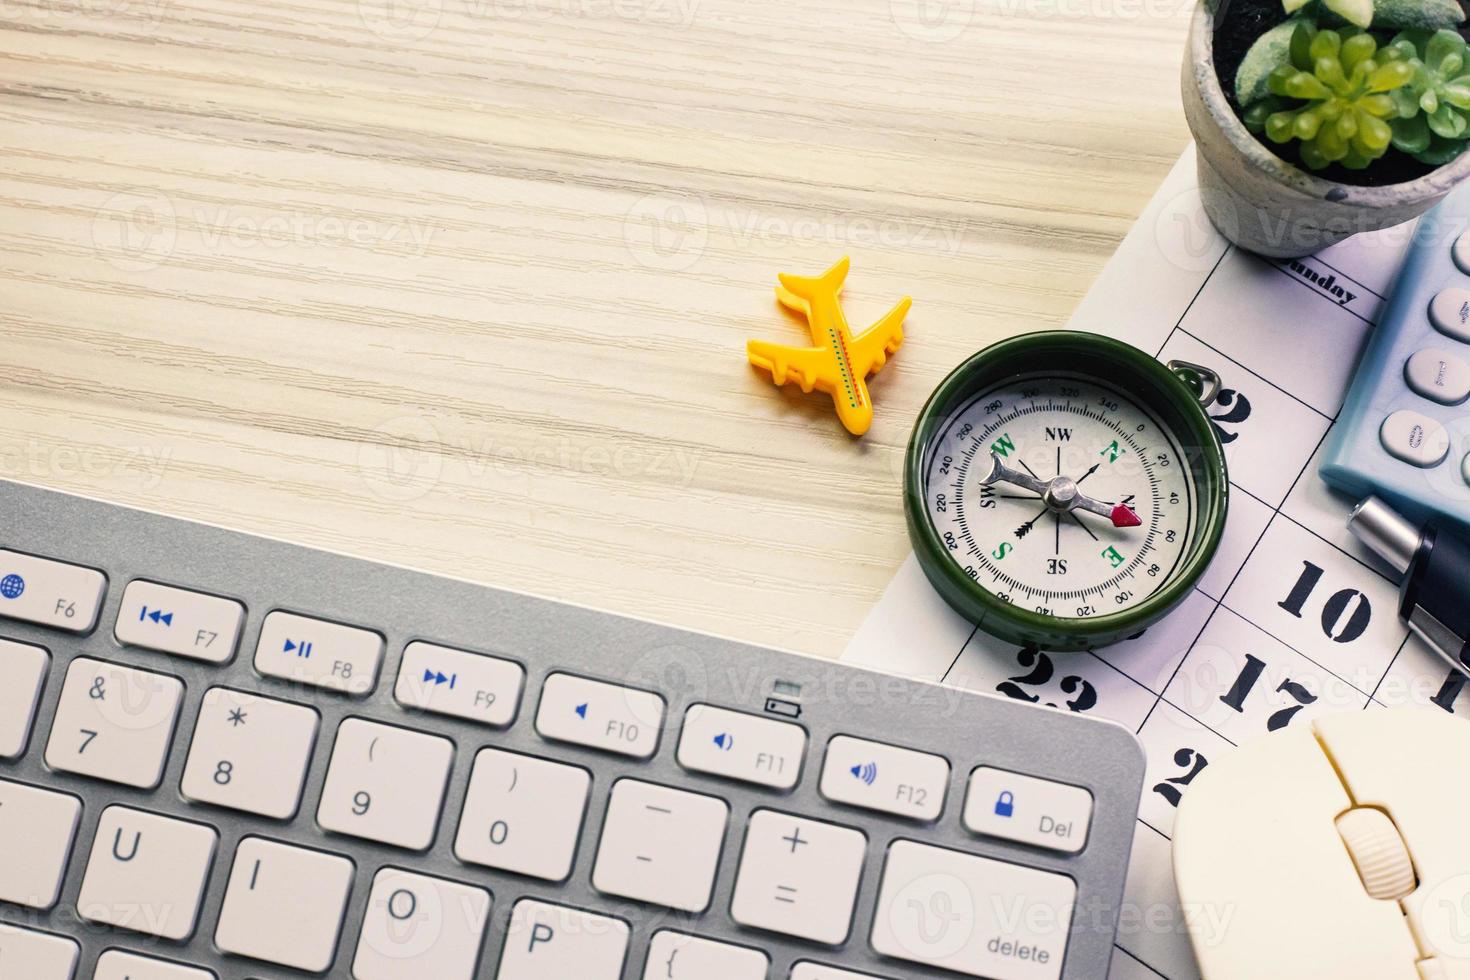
(11, 586)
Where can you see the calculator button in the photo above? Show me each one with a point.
(816, 971)
(677, 956)
(600, 716)
(284, 904)
(1461, 253)
(660, 845)
(1449, 311)
(114, 723)
(421, 927)
(1416, 439)
(313, 651)
(798, 877)
(147, 872)
(549, 941)
(972, 915)
(250, 753)
(177, 621)
(22, 673)
(37, 955)
(386, 784)
(37, 827)
(50, 593)
(118, 965)
(459, 683)
(741, 746)
(1027, 809)
(883, 777)
(1439, 376)
(522, 814)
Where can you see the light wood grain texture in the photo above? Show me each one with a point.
(466, 284)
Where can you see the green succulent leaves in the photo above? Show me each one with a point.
(1427, 15)
(1433, 109)
(1347, 96)
(1334, 97)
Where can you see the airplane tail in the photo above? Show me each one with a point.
(809, 288)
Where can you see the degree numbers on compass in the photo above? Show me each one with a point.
(1035, 488)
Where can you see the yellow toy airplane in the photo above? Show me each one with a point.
(840, 363)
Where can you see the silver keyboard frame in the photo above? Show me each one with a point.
(686, 668)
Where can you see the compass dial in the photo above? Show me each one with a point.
(1060, 495)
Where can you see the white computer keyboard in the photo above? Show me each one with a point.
(223, 756)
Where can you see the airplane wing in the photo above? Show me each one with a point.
(803, 365)
(870, 349)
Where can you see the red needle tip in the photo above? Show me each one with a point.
(1123, 516)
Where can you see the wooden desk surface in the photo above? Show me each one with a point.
(466, 284)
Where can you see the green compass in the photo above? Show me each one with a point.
(1065, 490)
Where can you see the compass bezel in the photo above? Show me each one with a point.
(1111, 363)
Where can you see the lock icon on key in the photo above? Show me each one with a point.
(1005, 806)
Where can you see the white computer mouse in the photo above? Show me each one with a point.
(1332, 849)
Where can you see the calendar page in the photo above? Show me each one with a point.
(1292, 620)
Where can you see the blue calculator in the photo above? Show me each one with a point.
(1404, 433)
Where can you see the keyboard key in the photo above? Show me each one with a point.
(50, 593)
(1449, 311)
(1416, 439)
(816, 971)
(600, 716)
(741, 746)
(418, 927)
(114, 723)
(284, 904)
(1438, 375)
(883, 777)
(1027, 809)
(118, 965)
(177, 621)
(386, 784)
(29, 955)
(250, 753)
(147, 873)
(676, 956)
(23, 669)
(972, 915)
(456, 682)
(549, 942)
(661, 845)
(798, 877)
(523, 814)
(37, 828)
(316, 652)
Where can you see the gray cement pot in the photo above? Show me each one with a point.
(1264, 204)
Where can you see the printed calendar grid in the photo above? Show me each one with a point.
(1293, 619)
(1222, 605)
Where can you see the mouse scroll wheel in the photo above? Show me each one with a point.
(1378, 851)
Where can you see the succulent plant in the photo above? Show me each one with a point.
(1433, 109)
(1334, 96)
(1392, 14)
